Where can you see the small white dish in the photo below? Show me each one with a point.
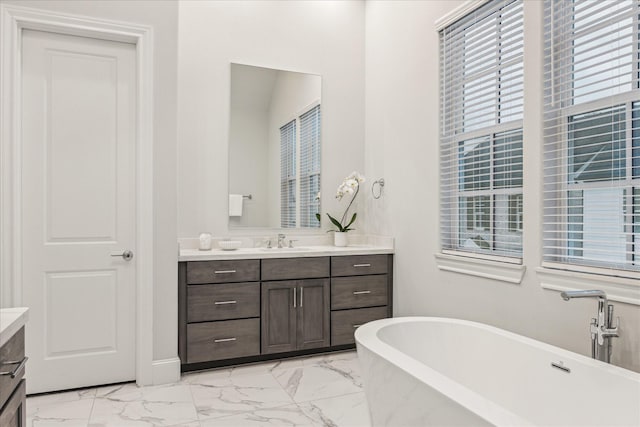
(229, 245)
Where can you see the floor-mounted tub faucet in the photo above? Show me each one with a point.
(601, 327)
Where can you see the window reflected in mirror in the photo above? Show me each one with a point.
(275, 148)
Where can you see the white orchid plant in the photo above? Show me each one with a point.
(350, 185)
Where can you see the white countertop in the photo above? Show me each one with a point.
(300, 252)
(11, 320)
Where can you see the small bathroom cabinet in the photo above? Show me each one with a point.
(12, 386)
(234, 311)
(295, 315)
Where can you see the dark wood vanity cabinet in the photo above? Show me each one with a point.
(219, 310)
(12, 385)
(14, 411)
(295, 315)
(238, 311)
(361, 291)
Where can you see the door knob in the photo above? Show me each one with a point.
(126, 255)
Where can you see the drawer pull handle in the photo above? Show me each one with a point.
(361, 265)
(224, 340)
(224, 271)
(225, 302)
(361, 292)
(357, 326)
(18, 368)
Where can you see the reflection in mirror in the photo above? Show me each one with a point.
(274, 148)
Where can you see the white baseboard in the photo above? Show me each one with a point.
(166, 371)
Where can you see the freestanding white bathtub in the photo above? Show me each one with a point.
(426, 371)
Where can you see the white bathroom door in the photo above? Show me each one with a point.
(78, 174)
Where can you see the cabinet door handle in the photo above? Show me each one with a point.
(17, 369)
(223, 271)
(295, 297)
(361, 292)
(301, 291)
(224, 340)
(361, 265)
(225, 302)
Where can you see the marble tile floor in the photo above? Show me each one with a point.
(323, 390)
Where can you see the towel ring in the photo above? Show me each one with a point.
(380, 183)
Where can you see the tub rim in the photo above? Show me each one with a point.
(366, 336)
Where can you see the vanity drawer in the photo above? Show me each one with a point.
(358, 291)
(222, 340)
(202, 272)
(345, 322)
(10, 353)
(358, 265)
(14, 412)
(295, 268)
(223, 301)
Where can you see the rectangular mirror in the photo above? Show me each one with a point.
(274, 148)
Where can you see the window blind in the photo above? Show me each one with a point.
(592, 134)
(288, 175)
(481, 107)
(310, 167)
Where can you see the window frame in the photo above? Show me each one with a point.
(451, 233)
(560, 233)
(302, 176)
(290, 181)
(296, 179)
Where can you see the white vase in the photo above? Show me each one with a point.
(205, 241)
(340, 238)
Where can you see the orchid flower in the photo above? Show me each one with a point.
(350, 185)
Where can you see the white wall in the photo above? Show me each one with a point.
(402, 145)
(248, 129)
(401, 128)
(162, 15)
(317, 37)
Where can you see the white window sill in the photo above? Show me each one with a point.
(502, 271)
(619, 289)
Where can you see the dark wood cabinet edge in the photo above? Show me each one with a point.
(222, 320)
(238, 361)
(390, 284)
(16, 405)
(359, 275)
(358, 308)
(182, 310)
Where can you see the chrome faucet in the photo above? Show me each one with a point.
(601, 327)
(281, 238)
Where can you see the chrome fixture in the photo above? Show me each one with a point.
(281, 238)
(601, 327)
(291, 242)
(560, 365)
(250, 197)
(126, 255)
(380, 184)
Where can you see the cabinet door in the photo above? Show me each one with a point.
(279, 306)
(313, 313)
(14, 412)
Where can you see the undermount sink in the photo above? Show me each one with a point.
(296, 249)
